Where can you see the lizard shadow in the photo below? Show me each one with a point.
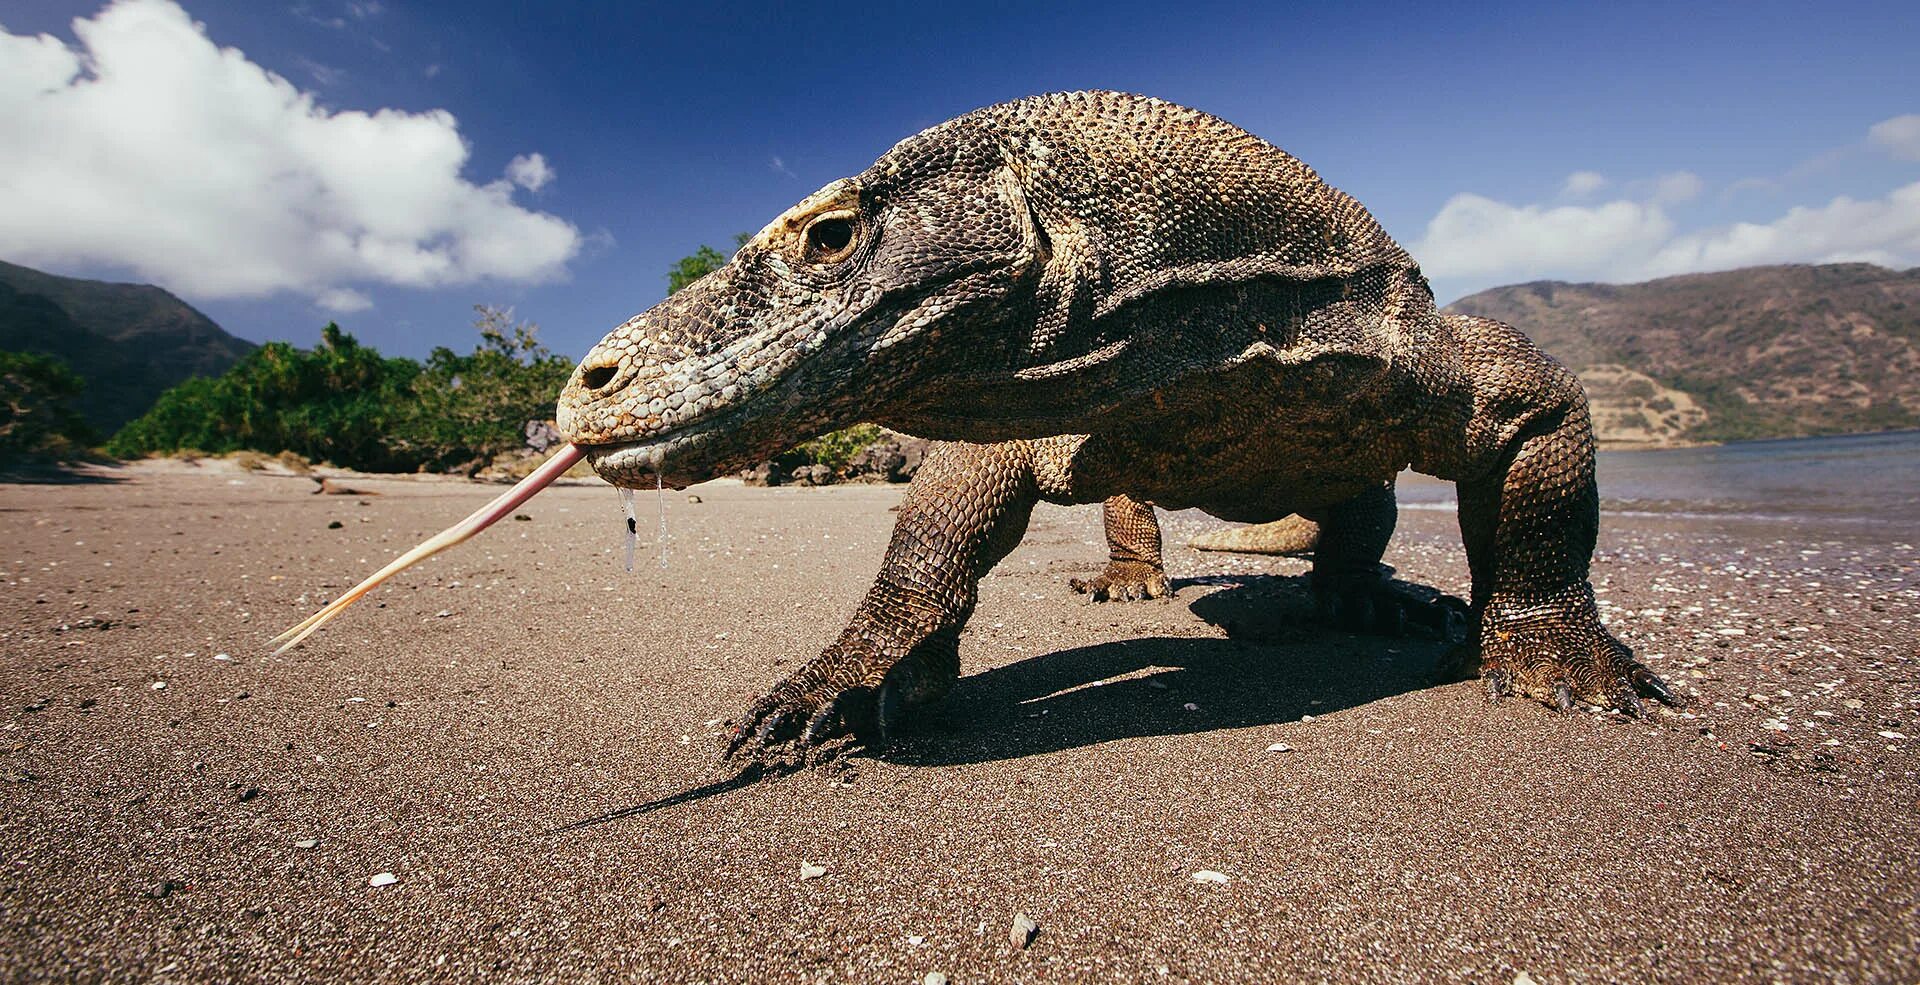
(60, 474)
(1269, 669)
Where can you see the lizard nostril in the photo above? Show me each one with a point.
(598, 376)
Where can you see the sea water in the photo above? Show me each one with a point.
(1865, 481)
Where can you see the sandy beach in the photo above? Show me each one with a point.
(382, 803)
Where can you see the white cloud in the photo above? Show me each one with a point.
(1899, 136)
(151, 148)
(1580, 184)
(1676, 187)
(1885, 231)
(1474, 236)
(342, 300)
(778, 166)
(1492, 242)
(530, 171)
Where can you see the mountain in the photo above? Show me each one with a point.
(128, 341)
(1762, 352)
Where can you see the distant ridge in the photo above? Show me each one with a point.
(128, 341)
(1762, 352)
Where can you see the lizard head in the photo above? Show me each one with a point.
(828, 316)
(983, 280)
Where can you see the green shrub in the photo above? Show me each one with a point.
(336, 402)
(464, 410)
(37, 418)
(343, 402)
(835, 450)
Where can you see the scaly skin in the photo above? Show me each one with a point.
(1096, 297)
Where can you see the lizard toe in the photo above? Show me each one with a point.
(1124, 581)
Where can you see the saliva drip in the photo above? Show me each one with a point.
(633, 525)
(660, 486)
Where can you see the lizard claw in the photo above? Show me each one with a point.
(804, 721)
(1498, 687)
(1566, 659)
(835, 703)
(1643, 680)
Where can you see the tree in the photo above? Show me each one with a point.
(476, 406)
(702, 262)
(37, 418)
(343, 402)
(337, 402)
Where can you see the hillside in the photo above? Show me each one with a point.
(1754, 353)
(128, 341)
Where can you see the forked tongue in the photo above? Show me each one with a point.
(481, 519)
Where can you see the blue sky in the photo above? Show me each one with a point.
(418, 158)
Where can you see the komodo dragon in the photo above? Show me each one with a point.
(1089, 295)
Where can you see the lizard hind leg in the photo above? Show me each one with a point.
(1135, 570)
(1354, 591)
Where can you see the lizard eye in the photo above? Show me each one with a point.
(830, 239)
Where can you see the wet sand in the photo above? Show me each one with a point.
(180, 807)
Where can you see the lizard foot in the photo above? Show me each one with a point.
(835, 704)
(1372, 602)
(1125, 581)
(1563, 657)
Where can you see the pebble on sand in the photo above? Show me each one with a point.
(934, 978)
(808, 870)
(307, 843)
(383, 879)
(1279, 747)
(1210, 876)
(1022, 931)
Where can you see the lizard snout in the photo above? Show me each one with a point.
(589, 402)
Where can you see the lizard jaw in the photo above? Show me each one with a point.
(625, 465)
(677, 459)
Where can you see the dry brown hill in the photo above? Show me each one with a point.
(1754, 353)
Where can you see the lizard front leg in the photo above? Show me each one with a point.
(1134, 569)
(1530, 524)
(966, 509)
